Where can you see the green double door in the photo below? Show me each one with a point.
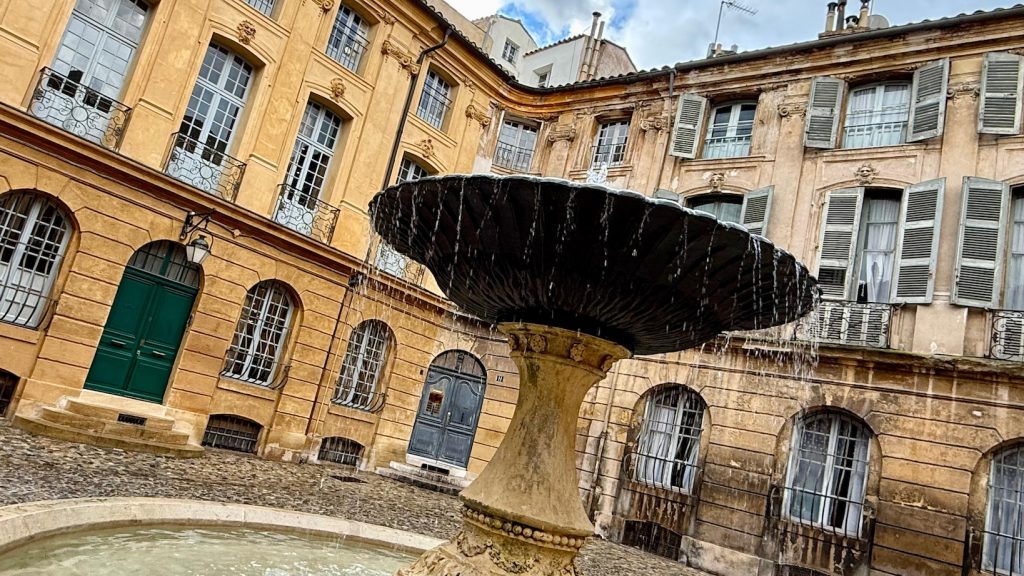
(141, 338)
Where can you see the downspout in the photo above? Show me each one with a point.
(408, 104)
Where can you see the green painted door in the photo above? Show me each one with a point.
(143, 332)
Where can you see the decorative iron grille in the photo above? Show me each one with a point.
(204, 167)
(348, 39)
(8, 382)
(1007, 336)
(727, 147)
(305, 214)
(668, 446)
(397, 264)
(1003, 544)
(353, 395)
(608, 154)
(848, 323)
(232, 433)
(652, 537)
(64, 102)
(513, 157)
(341, 451)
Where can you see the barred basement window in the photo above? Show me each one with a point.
(232, 433)
(34, 234)
(1004, 540)
(828, 473)
(8, 382)
(261, 334)
(363, 364)
(340, 451)
(669, 441)
(652, 537)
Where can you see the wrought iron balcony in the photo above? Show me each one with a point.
(204, 167)
(727, 147)
(1007, 335)
(875, 135)
(513, 157)
(610, 154)
(356, 395)
(398, 265)
(64, 102)
(848, 323)
(301, 211)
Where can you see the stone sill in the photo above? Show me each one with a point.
(353, 413)
(20, 333)
(881, 152)
(254, 390)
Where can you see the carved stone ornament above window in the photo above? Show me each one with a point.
(481, 116)
(964, 90)
(405, 60)
(716, 181)
(324, 5)
(427, 147)
(246, 32)
(337, 90)
(386, 17)
(792, 110)
(866, 173)
(559, 132)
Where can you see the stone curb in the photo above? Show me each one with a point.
(24, 523)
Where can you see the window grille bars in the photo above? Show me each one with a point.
(1003, 544)
(361, 370)
(260, 336)
(349, 38)
(340, 451)
(79, 110)
(1007, 335)
(513, 157)
(305, 214)
(204, 167)
(669, 442)
(232, 433)
(435, 100)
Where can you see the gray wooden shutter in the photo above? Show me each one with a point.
(757, 206)
(928, 101)
(1001, 86)
(838, 240)
(689, 125)
(920, 214)
(822, 126)
(979, 258)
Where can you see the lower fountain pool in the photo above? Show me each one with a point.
(181, 551)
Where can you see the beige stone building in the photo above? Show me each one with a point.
(880, 437)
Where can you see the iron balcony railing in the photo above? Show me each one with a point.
(1008, 336)
(347, 46)
(398, 265)
(513, 157)
(355, 396)
(204, 167)
(727, 147)
(64, 102)
(609, 154)
(874, 135)
(663, 473)
(848, 323)
(303, 212)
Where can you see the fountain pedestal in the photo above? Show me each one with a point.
(523, 514)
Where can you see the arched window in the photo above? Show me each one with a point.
(261, 334)
(828, 472)
(669, 443)
(364, 362)
(1004, 525)
(232, 432)
(340, 451)
(34, 233)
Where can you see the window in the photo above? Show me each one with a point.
(669, 440)
(877, 115)
(510, 52)
(211, 118)
(1004, 540)
(652, 537)
(828, 473)
(725, 207)
(8, 382)
(543, 78)
(610, 147)
(260, 335)
(435, 100)
(349, 38)
(729, 131)
(264, 6)
(299, 204)
(363, 365)
(409, 170)
(1014, 298)
(34, 234)
(515, 147)
(232, 433)
(340, 451)
(877, 251)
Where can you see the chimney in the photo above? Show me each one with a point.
(595, 54)
(851, 22)
(830, 19)
(865, 13)
(840, 15)
(588, 48)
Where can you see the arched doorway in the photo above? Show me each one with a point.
(449, 410)
(146, 323)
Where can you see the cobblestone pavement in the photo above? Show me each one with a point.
(35, 468)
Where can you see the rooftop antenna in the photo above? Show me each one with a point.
(734, 5)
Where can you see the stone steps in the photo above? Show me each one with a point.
(111, 413)
(70, 434)
(423, 479)
(112, 427)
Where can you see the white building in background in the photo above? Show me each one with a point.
(506, 40)
(576, 59)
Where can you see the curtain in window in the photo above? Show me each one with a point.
(1015, 271)
(669, 440)
(877, 116)
(881, 221)
(363, 363)
(1004, 531)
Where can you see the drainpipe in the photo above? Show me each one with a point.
(595, 54)
(408, 105)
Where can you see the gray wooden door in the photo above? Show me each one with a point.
(449, 409)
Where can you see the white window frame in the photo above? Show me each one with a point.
(265, 7)
(826, 493)
(435, 100)
(657, 463)
(880, 133)
(308, 168)
(610, 143)
(510, 53)
(365, 358)
(409, 170)
(995, 536)
(543, 78)
(349, 38)
(515, 155)
(718, 200)
(261, 334)
(861, 250)
(1013, 251)
(732, 144)
(34, 233)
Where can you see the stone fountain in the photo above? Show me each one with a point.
(578, 277)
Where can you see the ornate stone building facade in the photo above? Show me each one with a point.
(881, 437)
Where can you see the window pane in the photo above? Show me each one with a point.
(878, 252)
(1015, 276)
(33, 237)
(877, 115)
(669, 441)
(362, 365)
(1004, 527)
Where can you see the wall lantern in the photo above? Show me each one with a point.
(199, 248)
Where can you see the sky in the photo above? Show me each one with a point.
(663, 32)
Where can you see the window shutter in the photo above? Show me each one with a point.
(979, 255)
(689, 125)
(928, 101)
(920, 215)
(1001, 87)
(823, 112)
(756, 208)
(838, 240)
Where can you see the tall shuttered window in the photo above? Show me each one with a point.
(730, 130)
(261, 334)
(1014, 295)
